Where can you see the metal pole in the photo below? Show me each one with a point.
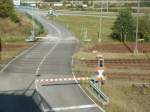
(100, 24)
(137, 28)
(82, 32)
(33, 32)
(107, 5)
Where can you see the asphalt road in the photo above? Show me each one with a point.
(50, 58)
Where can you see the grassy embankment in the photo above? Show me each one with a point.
(75, 24)
(124, 97)
(13, 36)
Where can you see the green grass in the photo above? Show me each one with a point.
(75, 23)
(13, 39)
(16, 33)
(126, 98)
(123, 96)
(95, 13)
(39, 28)
(11, 32)
(8, 55)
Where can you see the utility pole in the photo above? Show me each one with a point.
(33, 26)
(85, 34)
(100, 23)
(82, 30)
(32, 5)
(107, 5)
(137, 28)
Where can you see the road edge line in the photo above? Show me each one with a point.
(16, 57)
(100, 108)
(43, 59)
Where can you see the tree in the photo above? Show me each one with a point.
(144, 27)
(64, 2)
(7, 10)
(6, 7)
(124, 25)
(85, 2)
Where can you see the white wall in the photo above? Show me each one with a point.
(58, 4)
(16, 2)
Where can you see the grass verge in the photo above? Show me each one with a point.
(13, 36)
(77, 23)
(124, 97)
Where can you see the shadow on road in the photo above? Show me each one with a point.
(56, 84)
(17, 101)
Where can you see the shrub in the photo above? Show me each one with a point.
(7, 10)
(124, 25)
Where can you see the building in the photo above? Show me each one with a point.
(31, 2)
(16, 2)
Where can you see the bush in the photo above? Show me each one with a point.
(124, 26)
(7, 10)
(115, 36)
(144, 27)
(41, 27)
(14, 18)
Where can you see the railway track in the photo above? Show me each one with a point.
(131, 61)
(128, 76)
(111, 63)
(126, 64)
(141, 65)
(119, 48)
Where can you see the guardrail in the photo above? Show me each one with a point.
(96, 87)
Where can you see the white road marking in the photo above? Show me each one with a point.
(60, 79)
(55, 79)
(42, 80)
(69, 79)
(22, 53)
(46, 80)
(49, 52)
(74, 107)
(58, 30)
(77, 79)
(51, 80)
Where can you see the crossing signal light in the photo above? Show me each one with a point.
(101, 63)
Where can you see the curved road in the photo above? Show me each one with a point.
(50, 58)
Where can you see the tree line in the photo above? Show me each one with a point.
(124, 28)
(7, 10)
